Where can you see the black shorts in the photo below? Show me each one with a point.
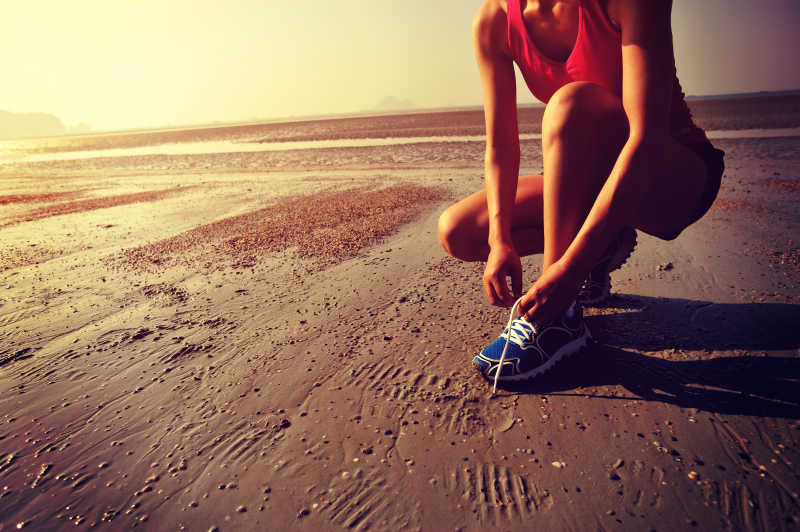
(715, 166)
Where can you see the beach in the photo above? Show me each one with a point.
(255, 327)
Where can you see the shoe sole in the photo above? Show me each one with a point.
(623, 251)
(569, 349)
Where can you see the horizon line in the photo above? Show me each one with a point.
(354, 114)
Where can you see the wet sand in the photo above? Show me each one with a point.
(233, 352)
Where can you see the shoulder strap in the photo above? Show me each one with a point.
(516, 28)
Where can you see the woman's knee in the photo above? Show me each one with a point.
(448, 229)
(455, 233)
(581, 108)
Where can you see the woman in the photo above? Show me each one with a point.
(620, 152)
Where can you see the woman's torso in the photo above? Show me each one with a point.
(596, 57)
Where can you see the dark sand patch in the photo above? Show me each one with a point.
(165, 294)
(92, 204)
(48, 197)
(15, 257)
(326, 227)
(789, 259)
(728, 205)
(782, 185)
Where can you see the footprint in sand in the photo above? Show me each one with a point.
(496, 494)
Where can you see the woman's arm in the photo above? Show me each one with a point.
(647, 79)
(502, 150)
(648, 70)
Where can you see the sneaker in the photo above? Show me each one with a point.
(597, 285)
(530, 351)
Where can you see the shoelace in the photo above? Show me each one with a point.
(520, 332)
(508, 339)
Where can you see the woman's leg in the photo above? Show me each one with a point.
(549, 209)
(464, 226)
(583, 130)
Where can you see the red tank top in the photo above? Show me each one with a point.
(596, 57)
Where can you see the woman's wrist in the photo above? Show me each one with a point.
(500, 241)
(499, 232)
(573, 264)
(568, 270)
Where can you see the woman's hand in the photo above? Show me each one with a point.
(550, 295)
(503, 261)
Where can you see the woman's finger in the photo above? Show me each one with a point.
(489, 292)
(524, 306)
(499, 298)
(516, 282)
(501, 288)
(530, 306)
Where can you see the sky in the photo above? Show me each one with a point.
(121, 64)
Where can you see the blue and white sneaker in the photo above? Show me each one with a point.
(530, 351)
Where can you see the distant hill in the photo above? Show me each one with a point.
(390, 103)
(16, 125)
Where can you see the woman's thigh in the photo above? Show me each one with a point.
(527, 205)
(671, 203)
(464, 226)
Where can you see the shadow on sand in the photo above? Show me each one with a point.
(762, 382)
